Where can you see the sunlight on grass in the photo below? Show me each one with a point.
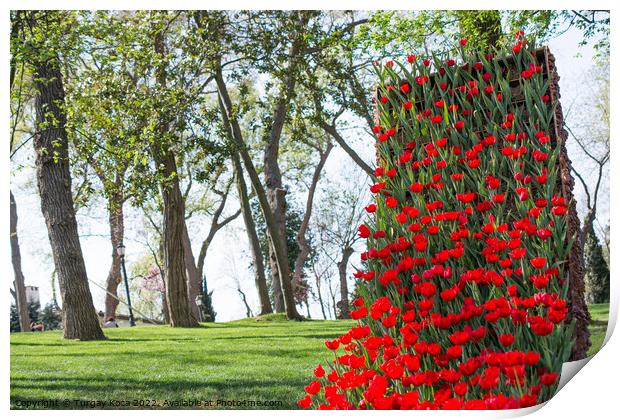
(240, 360)
(598, 325)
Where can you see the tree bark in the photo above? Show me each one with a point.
(16, 259)
(276, 288)
(117, 231)
(277, 239)
(276, 196)
(174, 253)
(80, 319)
(344, 288)
(164, 299)
(174, 214)
(250, 229)
(577, 308)
(194, 280)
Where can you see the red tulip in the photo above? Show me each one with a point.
(538, 262)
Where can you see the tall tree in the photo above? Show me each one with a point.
(339, 215)
(597, 274)
(16, 258)
(276, 193)
(250, 228)
(53, 174)
(173, 203)
(102, 118)
(195, 266)
(276, 236)
(302, 241)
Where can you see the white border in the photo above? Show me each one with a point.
(592, 393)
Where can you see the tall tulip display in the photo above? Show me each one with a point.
(463, 299)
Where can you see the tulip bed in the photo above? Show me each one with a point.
(463, 298)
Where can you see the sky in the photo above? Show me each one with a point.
(228, 258)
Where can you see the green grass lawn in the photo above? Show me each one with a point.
(241, 360)
(598, 325)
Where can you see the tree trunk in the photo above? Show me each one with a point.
(276, 288)
(304, 247)
(174, 214)
(164, 299)
(117, 231)
(80, 319)
(320, 296)
(248, 310)
(250, 229)
(577, 308)
(174, 254)
(16, 259)
(194, 278)
(344, 289)
(276, 194)
(278, 241)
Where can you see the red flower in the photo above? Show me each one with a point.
(463, 41)
(359, 313)
(313, 387)
(459, 125)
(416, 187)
(542, 328)
(332, 345)
(466, 198)
(449, 294)
(427, 289)
(364, 232)
(549, 378)
(436, 119)
(305, 402)
(319, 371)
(391, 202)
(506, 340)
(538, 262)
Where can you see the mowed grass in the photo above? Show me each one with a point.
(598, 325)
(241, 360)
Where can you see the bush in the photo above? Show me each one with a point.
(51, 317)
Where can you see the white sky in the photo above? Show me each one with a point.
(228, 256)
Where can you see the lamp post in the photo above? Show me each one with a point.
(121, 253)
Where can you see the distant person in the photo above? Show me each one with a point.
(111, 323)
(34, 326)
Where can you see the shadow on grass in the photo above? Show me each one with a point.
(325, 336)
(160, 390)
